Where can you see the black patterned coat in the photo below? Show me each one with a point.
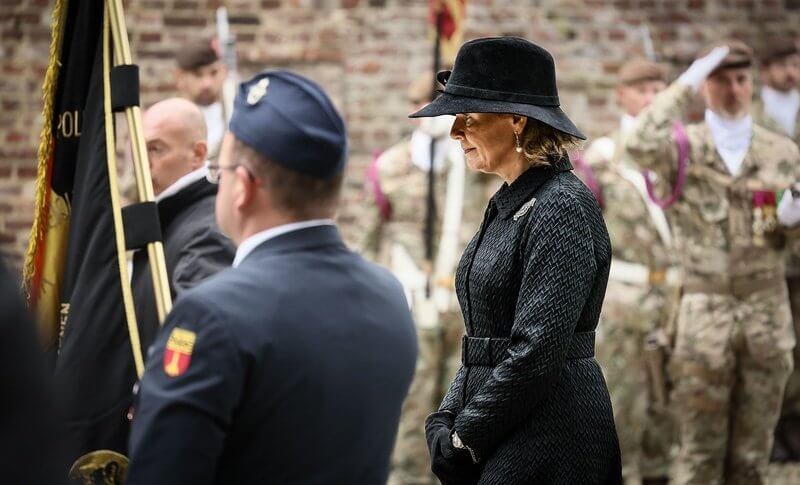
(530, 400)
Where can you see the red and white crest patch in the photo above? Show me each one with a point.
(178, 353)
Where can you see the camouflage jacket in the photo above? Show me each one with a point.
(634, 235)
(793, 243)
(724, 226)
(405, 187)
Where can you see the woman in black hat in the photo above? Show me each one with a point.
(529, 403)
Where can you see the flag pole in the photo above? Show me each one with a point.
(430, 213)
(144, 185)
(85, 469)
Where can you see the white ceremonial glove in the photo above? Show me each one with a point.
(702, 67)
(600, 151)
(789, 210)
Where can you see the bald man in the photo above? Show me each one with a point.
(175, 134)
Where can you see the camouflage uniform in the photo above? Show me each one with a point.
(632, 309)
(734, 338)
(405, 187)
(791, 400)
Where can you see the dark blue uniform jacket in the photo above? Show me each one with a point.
(290, 368)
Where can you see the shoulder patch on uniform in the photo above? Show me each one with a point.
(524, 209)
(178, 353)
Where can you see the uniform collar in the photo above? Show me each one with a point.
(627, 123)
(511, 197)
(420, 147)
(782, 108)
(732, 138)
(273, 235)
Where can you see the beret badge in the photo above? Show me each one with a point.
(257, 91)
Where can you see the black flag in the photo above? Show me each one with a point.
(76, 252)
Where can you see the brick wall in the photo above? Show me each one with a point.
(365, 52)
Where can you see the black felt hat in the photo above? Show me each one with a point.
(502, 75)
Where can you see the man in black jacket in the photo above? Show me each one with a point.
(175, 133)
(291, 367)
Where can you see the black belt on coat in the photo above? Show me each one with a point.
(492, 351)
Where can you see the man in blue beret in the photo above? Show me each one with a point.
(290, 367)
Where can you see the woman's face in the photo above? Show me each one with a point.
(487, 140)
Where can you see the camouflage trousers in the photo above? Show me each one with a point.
(791, 400)
(646, 433)
(731, 362)
(787, 432)
(437, 364)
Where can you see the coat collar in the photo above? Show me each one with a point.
(511, 198)
(170, 207)
(297, 240)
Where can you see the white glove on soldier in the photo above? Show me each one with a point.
(789, 210)
(702, 67)
(600, 151)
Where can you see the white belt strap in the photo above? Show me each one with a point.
(656, 214)
(631, 273)
(639, 274)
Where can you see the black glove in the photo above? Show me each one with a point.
(452, 466)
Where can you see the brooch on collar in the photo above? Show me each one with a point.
(524, 209)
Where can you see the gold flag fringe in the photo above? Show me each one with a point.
(45, 145)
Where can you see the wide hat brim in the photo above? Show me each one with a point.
(451, 104)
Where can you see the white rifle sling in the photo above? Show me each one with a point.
(448, 254)
(413, 280)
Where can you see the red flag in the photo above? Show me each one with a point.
(451, 28)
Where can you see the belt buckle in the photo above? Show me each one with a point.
(447, 282)
(657, 276)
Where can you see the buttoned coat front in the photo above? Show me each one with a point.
(530, 400)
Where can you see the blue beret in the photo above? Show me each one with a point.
(291, 121)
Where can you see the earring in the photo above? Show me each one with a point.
(518, 147)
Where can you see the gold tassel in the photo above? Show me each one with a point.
(45, 146)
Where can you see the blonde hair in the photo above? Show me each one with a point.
(541, 142)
